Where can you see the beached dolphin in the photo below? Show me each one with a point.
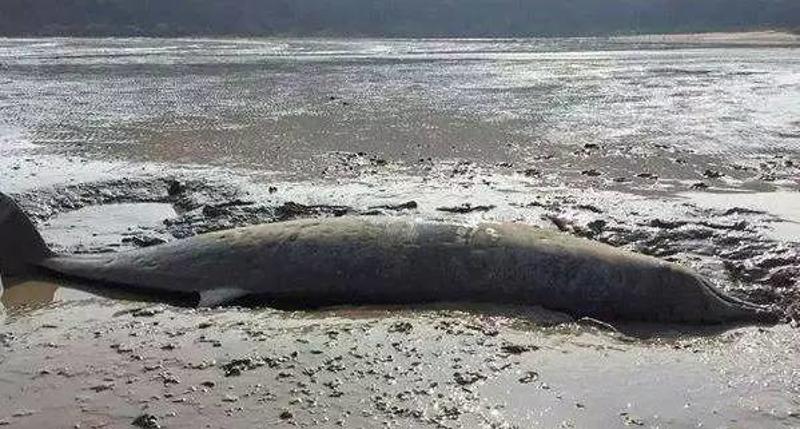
(351, 260)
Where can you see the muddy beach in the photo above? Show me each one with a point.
(684, 153)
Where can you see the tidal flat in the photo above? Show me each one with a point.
(681, 147)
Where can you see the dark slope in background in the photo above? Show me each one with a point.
(393, 18)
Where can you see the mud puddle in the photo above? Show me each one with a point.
(784, 205)
(21, 297)
(101, 226)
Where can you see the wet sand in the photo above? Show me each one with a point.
(665, 178)
(99, 363)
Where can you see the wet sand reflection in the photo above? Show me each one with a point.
(22, 294)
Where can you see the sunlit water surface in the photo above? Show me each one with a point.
(277, 104)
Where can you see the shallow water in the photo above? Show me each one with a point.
(283, 105)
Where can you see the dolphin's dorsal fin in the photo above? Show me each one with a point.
(216, 297)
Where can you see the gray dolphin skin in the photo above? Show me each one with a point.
(383, 260)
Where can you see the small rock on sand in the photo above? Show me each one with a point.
(148, 311)
(529, 377)
(466, 208)
(517, 349)
(146, 421)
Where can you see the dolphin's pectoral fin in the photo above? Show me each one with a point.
(215, 297)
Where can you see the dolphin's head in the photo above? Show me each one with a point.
(636, 287)
(686, 296)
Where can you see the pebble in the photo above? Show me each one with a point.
(146, 421)
(147, 311)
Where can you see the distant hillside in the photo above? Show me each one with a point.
(393, 18)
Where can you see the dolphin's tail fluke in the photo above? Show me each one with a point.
(21, 246)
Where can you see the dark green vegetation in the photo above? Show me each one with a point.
(389, 17)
